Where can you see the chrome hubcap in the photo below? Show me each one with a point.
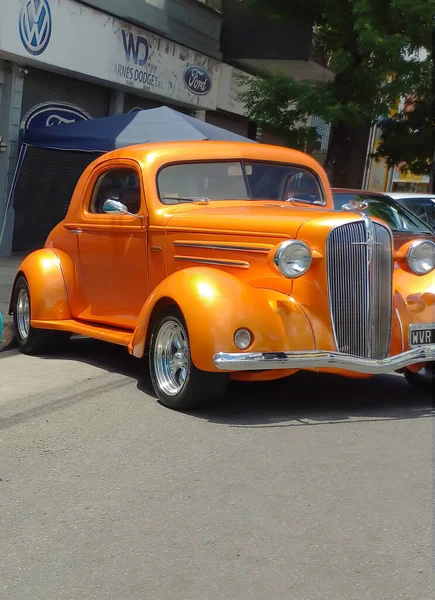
(171, 358)
(23, 314)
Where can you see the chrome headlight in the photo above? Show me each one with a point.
(292, 259)
(421, 257)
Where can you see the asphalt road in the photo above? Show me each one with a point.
(313, 488)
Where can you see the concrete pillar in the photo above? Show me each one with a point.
(198, 114)
(10, 116)
(116, 103)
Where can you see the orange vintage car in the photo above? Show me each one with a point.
(226, 260)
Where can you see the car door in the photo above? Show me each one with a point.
(111, 264)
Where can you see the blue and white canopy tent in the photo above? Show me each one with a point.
(102, 135)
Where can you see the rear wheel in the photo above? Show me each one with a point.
(29, 339)
(424, 380)
(176, 381)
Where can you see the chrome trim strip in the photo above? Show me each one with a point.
(396, 310)
(223, 247)
(369, 244)
(265, 361)
(209, 261)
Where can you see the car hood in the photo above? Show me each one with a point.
(403, 238)
(277, 219)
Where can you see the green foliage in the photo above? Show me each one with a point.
(363, 42)
(407, 138)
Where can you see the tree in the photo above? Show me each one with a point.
(408, 137)
(363, 42)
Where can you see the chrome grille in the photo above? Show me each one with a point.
(360, 274)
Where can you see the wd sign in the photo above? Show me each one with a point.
(135, 69)
(136, 48)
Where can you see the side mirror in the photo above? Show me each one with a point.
(114, 207)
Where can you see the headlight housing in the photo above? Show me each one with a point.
(421, 257)
(292, 259)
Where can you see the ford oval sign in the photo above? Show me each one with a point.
(50, 114)
(197, 80)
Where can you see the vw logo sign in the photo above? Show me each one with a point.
(197, 80)
(35, 25)
(50, 114)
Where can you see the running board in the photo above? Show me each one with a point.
(121, 337)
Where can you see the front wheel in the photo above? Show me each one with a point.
(29, 339)
(424, 380)
(177, 382)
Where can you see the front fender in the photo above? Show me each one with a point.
(215, 304)
(414, 300)
(44, 274)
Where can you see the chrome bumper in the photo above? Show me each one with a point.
(265, 361)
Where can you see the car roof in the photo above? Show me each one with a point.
(392, 195)
(405, 195)
(355, 191)
(206, 150)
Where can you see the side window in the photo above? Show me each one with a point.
(302, 185)
(423, 208)
(118, 184)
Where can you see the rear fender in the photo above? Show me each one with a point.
(45, 271)
(214, 305)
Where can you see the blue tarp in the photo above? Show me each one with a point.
(110, 133)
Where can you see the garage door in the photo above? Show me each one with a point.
(48, 177)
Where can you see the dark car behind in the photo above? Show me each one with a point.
(404, 224)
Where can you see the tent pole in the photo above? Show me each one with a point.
(20, 160)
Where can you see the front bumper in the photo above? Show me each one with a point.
(266, 361)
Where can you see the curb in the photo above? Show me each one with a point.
(8, 352)
(7, 340)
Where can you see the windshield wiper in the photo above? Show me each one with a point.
(199, 199)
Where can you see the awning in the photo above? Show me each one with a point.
(161, 124)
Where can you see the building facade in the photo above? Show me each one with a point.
(69, 60)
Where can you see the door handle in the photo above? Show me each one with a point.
(75, 231)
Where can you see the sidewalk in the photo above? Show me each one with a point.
(8, 268)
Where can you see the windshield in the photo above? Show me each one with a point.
(397, 217)
(238, 181)
(423, 208)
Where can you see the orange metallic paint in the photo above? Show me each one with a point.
(43, 271)
(106, 281)
(215, 304)
(99, 332)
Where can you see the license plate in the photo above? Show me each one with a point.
(421, 334)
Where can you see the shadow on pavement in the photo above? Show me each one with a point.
(305, 399)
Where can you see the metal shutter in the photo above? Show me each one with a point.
(131, 101)
(232, 123)
(48, 177)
